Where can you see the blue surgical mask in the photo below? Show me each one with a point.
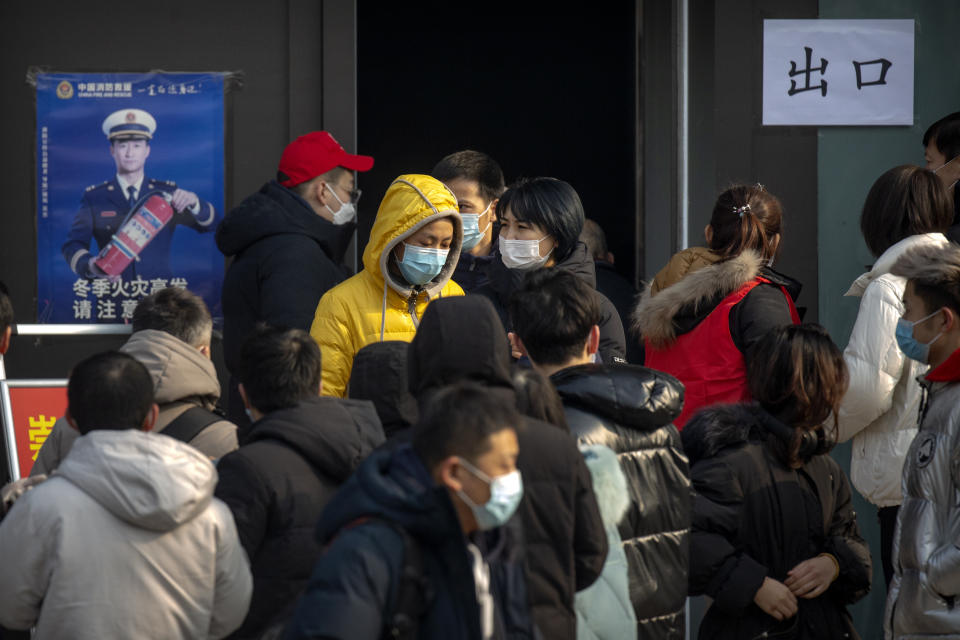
(505, 495)
(420, 265)
(911, 347)
(472, 234)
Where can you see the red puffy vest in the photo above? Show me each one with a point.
(706, 360)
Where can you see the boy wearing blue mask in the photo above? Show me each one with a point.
(926, 557)
(418, 510)
(477, 181)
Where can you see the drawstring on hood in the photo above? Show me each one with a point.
(400, 216)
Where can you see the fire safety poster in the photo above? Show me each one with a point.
(130, 189)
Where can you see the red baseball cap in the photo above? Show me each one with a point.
(316, 153)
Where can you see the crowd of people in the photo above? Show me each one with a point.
(482, 435)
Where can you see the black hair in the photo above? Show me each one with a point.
(6, 308)
(798, 374)
(176, 311)
(109, 390)
(538, 398)
(553, 312)
(945, 134)
(595, 239)
(459, 421)
(904, 201)
(279, 368)
(551, 204)
(472, 165)
(745, 217)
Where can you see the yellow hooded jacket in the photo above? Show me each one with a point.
(377, 305)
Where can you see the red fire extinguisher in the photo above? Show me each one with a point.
(147, 217)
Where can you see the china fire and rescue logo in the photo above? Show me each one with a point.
(64, 90)
(131, 116)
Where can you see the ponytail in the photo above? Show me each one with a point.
(745, 218)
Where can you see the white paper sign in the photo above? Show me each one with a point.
(838, 72)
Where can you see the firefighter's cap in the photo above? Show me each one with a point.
(314, 154)
(129, 123)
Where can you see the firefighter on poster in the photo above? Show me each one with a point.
(132, 244)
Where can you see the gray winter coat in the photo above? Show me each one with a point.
(922, 601)
(182, 378)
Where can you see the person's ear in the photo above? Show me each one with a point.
(243, 396)
(446, 474)
(205, 350)
(70, 421)
(493, 209)
(320, 191)
(5, 340)
(398, 251)
(950, 321)
(774, 245)
(151, 420)
(593, 340)
(708, 234)
(517, 350)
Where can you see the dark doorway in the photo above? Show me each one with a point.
(545, 89)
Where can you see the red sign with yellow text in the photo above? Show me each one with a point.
(34, 409)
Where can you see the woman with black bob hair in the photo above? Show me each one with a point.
(775, 540)
(540, 224)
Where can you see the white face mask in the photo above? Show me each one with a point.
(345, 213)
(523, 254)
(952, 184)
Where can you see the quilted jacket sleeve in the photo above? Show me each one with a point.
(873, 358)
(331, 331)
(718, 567)
(846, 544)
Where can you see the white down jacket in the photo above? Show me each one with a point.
(879, 410)
(125, 541)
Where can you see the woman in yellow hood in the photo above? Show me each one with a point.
(413, 249)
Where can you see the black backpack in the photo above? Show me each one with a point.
(414, 592)
(190, 423)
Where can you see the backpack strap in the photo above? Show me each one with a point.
(414, 592)
(190, 423)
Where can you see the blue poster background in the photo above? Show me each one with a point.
(73, 154)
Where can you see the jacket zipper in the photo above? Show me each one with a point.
(412, 305)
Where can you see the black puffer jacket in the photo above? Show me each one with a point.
(461, 338)
(278, 484)
(629, 409)
(285, 257)
(504, 282)
(754, 516)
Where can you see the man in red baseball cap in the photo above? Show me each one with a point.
(288, 241)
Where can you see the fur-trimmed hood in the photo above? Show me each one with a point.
(720, 426)
(677, 309)
(609, 483)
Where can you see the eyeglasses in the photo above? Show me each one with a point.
(352, 196)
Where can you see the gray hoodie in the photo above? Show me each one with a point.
(182, 378)
(124, 541)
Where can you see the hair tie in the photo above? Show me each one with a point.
(741, 210)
